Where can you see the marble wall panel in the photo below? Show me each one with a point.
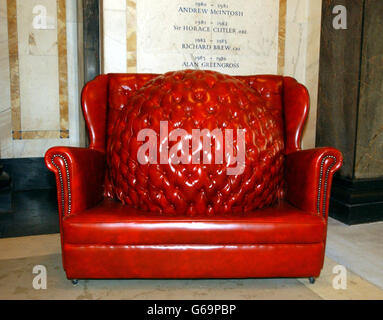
(115, 36)
(62, 68)
(312, 69)
(76, 120)
(6, 148)
(303, 27)
(131, 35)
(6, 145)
(282, 36)
(38, 65)
(14, 74)
(43, 64)
(5, 94)
(39, 95)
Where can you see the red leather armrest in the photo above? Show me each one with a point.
(80, 174)
(309, 176)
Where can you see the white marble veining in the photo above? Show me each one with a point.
(312, 69)
(6, 147)
(119, 5)
(39, 93)
(39, 80)
(296, 39)
(5, 96)
(303, 25)
(131, 39)
(115, 30)
(38, 69)
(38, 147)
(76, 124)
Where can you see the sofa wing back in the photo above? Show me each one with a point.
(94, 106)
(103, 98)
(287, 97)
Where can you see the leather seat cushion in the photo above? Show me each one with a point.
(113, 223)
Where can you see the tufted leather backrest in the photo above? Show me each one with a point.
(122, 86)
(270, 88)
(105, 97)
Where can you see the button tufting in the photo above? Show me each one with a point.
(198, 100)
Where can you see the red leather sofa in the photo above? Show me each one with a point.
(102, 238)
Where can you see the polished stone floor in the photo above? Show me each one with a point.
(345, 244)
(358, 247)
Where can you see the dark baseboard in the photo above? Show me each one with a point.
(29, 174)
(356, 201)
(33, 213)
(28, 206)
(6, 200)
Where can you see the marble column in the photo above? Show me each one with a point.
(350, 107)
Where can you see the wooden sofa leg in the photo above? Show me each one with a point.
(312, 280)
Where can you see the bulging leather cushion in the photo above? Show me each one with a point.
(197, 100)
(112, 223)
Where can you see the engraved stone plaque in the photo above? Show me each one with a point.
(236, 37)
